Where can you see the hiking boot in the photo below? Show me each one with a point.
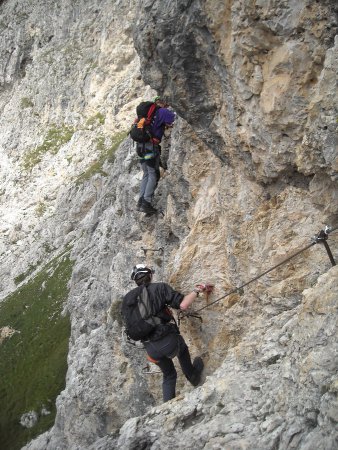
(147, 207)
(139, 204)
(195, 378)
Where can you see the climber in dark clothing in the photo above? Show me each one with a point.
(165, 342)
(150, 163)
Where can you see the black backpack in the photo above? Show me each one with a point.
(140, 131)
(138, 314)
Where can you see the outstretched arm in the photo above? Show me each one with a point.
(189, 299)
(178, 301)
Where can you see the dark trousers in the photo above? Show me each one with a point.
(163, 351)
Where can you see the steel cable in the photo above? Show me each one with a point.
(317, 239)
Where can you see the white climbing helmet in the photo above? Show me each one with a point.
(139, 271)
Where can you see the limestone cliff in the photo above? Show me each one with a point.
(252, 176)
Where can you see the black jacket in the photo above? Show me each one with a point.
(161, 295)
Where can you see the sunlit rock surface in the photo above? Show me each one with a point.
(252, 176)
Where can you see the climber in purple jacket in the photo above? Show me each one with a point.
(150, 163)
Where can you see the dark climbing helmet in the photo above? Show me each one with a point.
(140, 271)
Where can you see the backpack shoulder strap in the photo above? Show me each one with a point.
(151, 112)
(146, 308)
(144, 303)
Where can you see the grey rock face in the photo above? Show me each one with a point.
(251, 177)
(29, 419)
(58, 117)
(248, 78)
(260, 403)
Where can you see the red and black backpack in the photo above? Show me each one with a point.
(140, 131)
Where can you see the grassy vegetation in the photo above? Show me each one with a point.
(106, 149)
(33, 361)
(48, 248)
(115, 311)
(40, 209)
(19, 279)
(97, 119)
(26, 103)
(54, 140)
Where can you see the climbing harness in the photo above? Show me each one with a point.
(320, 238)
(182, 314)
(146, 370)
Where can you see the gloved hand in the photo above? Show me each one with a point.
(204, 287)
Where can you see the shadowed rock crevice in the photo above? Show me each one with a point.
(231, 76)
(251, 177)
(187, 65)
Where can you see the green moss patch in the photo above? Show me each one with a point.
(26, 102)
(40, 209)
(97, 119)
(54, 140)
(106, 147)
(33, 360)
(20, 278)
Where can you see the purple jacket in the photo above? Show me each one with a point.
(163, 116)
